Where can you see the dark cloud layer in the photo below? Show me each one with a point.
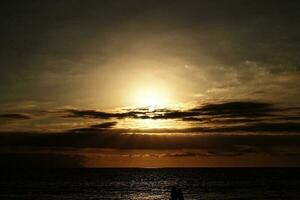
(39, 160)
(229, 129)
(242, 109)
(15, 116)
(110, 139)
(105, 125)
(233, 116)
(227, 109)
(99, 114)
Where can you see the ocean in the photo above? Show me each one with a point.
(150, 184)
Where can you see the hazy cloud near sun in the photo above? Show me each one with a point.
(66, 50)
(253, 117)
(223, 117)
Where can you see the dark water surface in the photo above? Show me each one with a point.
(142, 184)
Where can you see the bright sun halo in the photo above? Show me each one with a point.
(151, 98)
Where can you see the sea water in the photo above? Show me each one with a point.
(150, 184)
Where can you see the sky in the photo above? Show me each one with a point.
(169, 83)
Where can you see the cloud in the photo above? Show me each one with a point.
(39, 160)
(226, 120)
(70, 149)
(212, 153)
(241, 109)
(253, 128)
(263, 127)
(225, 117)
(237, 151)
(115, 140)
(290, 118)
(215, 129)
(53, 149)
(15, 116)
(229, 109)
(98, 114)
(234, 116)
(105, 125)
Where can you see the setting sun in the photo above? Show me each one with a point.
(151, 98)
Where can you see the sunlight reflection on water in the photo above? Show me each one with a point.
(151, 184)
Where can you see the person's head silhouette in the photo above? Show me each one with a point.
(173, 193)
(179, 195)
(176, 194)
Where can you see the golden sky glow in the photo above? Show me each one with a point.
(151, 97)
(197, 82)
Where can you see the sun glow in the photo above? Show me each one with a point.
(151, 98)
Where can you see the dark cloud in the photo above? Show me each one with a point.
(39, 160)
(259, 139)
(254, 116)
(210, 153)
(105, 125)
(112, 139)
(176, 114)
(263, 127)
(253, 128)
(240, 109)
(227, 109)
(290, 118)
(15, 116)
(237, 151)
(232, 120)
(211, 147)
(185, 154)
(223, 110)
(98, 114)
(267, 128)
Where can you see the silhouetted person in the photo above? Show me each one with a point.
(176, 194)
(173, 194)
(180, 195)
